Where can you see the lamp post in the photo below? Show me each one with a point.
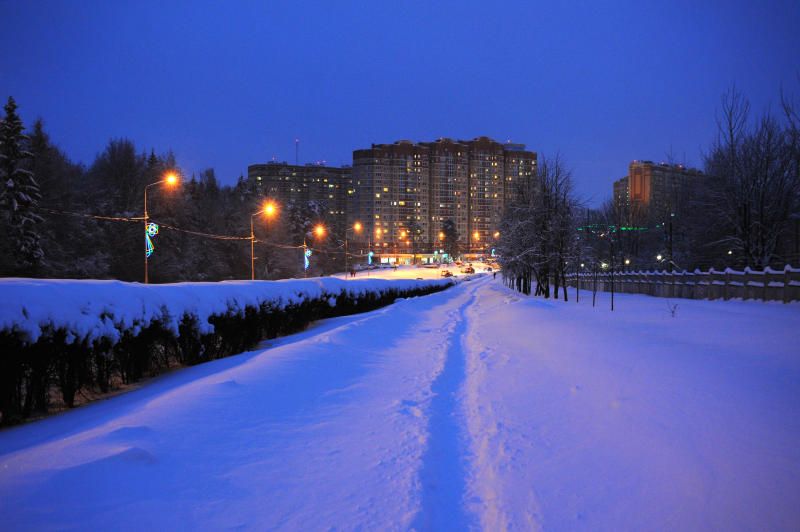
(318, 232)
(170, 179)
(268, 210)
(356, 229)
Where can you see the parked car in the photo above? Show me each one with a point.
(446, 273)
(469, 269)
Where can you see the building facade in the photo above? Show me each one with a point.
(406, 190)
(658, 187)
(286, 183)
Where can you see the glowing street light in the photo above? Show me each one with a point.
(441, 235)
(319, 230)
(171, 179)
(357, 227)
(270, 209)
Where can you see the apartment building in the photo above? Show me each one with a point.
(658, 187)
(286, 183)
(406, 190)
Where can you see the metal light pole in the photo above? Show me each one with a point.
(269, 211)
(170, 179)
(356, 229)
(318, 232)
(253, 248)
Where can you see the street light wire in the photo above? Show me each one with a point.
(198, 233)
(140, 219)
(134, 219)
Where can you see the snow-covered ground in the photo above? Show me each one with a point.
(472, 407)
(410, 272)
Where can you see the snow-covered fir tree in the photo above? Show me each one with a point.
(20, 192)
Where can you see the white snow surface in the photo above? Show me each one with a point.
(91, 310)
(472, 408)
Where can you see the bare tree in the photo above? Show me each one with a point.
(754, 184)
(538, 237)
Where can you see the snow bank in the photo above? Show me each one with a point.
(95, 310)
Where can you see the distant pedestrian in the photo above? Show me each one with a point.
(494, 275)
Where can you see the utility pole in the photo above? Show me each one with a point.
(252, 251)
(146, 249)
(671, 215)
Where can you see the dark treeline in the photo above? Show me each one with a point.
(40, 186)
(743, 212)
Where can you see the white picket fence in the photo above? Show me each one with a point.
(767, 285)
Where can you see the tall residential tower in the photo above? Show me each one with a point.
(405, 190)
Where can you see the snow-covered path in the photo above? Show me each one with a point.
(633, 420)
(473, 407)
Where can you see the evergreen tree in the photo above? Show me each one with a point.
(450, 244)
(60, 181)
(20, 192)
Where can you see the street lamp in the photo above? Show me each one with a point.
(319, 230)
(171, 179)
(356, 229)
(269, 210)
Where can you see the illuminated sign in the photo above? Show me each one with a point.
(150, 231)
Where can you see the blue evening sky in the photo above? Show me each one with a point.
(227, 84)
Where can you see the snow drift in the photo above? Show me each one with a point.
(82, 333)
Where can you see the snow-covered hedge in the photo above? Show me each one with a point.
(73, 334)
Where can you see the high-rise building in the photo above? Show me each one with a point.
(405, 191)
(393, 200)
(449, 197)
(303, 183)
(658, 187)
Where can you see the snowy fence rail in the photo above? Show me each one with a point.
(59, 337)
(767, 285)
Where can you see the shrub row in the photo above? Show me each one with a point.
(57, 366)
